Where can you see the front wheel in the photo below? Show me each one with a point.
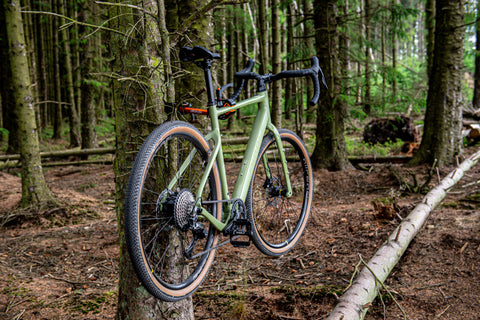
(278, 221)
(170, 253)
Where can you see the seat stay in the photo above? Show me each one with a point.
(182, 169)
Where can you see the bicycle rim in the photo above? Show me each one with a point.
(158, 241)
(279, 221)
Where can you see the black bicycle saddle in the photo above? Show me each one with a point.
(197, 53)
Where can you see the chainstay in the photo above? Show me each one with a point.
(214, 248)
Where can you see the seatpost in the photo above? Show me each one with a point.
(206, 64)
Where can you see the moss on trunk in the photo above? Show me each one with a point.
(34, 188)
(139, 93)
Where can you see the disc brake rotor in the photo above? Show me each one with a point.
(274, 191)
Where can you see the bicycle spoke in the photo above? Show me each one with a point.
(151, 191)
(161, 260)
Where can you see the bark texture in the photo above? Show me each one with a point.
(73, 114)
(138, 94)
(262, 6)
(330, 147)
(6, 89)
(34, 187)
(200, 32)
(442, 139)
(430, 37)
(87, 107)
(476, 88)
(276, 86)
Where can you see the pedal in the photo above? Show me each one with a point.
(242, 228)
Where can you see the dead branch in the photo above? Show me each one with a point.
(354, 303)
(414, 187)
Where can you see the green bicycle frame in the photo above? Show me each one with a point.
(261, 125)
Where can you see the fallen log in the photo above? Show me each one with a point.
(387, 159)
(472, 114)
(18, 164)
(94, 151)
(62, 153)
(353, 304)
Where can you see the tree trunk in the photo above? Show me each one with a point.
(200, 32)
(476, 88)
(77, 76)
(344, 51)
(430, 26)
(309, 35)
(442, 139)
(276, 86)
(255, 41)
(383, 50)
(394, 60)
(137, 112)
(353, 303)
(58, 117)
(290, 82)
(262, 23)
(73, 116)
(87, 107)
(232, 48)
(367, 107)
(34, 188)
(238, 22)
(222, 76)
(40, 70)
(330, 147)
(6, 90)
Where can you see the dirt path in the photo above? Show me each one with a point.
(62, 264)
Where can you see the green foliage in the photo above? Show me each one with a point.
(105, 127)
(96, 83)
(356, 147)
(81, 305)
(16, 291)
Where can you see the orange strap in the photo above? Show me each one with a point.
(192, 110)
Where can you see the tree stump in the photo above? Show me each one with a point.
(383, 130)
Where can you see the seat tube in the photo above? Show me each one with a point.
(206, 66)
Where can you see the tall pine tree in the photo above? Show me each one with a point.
(442, 139)
(34, 188)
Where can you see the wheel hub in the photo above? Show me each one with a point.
(273, 187)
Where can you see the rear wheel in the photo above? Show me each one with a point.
(164, 233)
(278, 221)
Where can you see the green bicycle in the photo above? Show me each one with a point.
(177, 199)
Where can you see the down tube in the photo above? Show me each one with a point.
(250, 157)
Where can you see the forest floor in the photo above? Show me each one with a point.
(62, 263)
